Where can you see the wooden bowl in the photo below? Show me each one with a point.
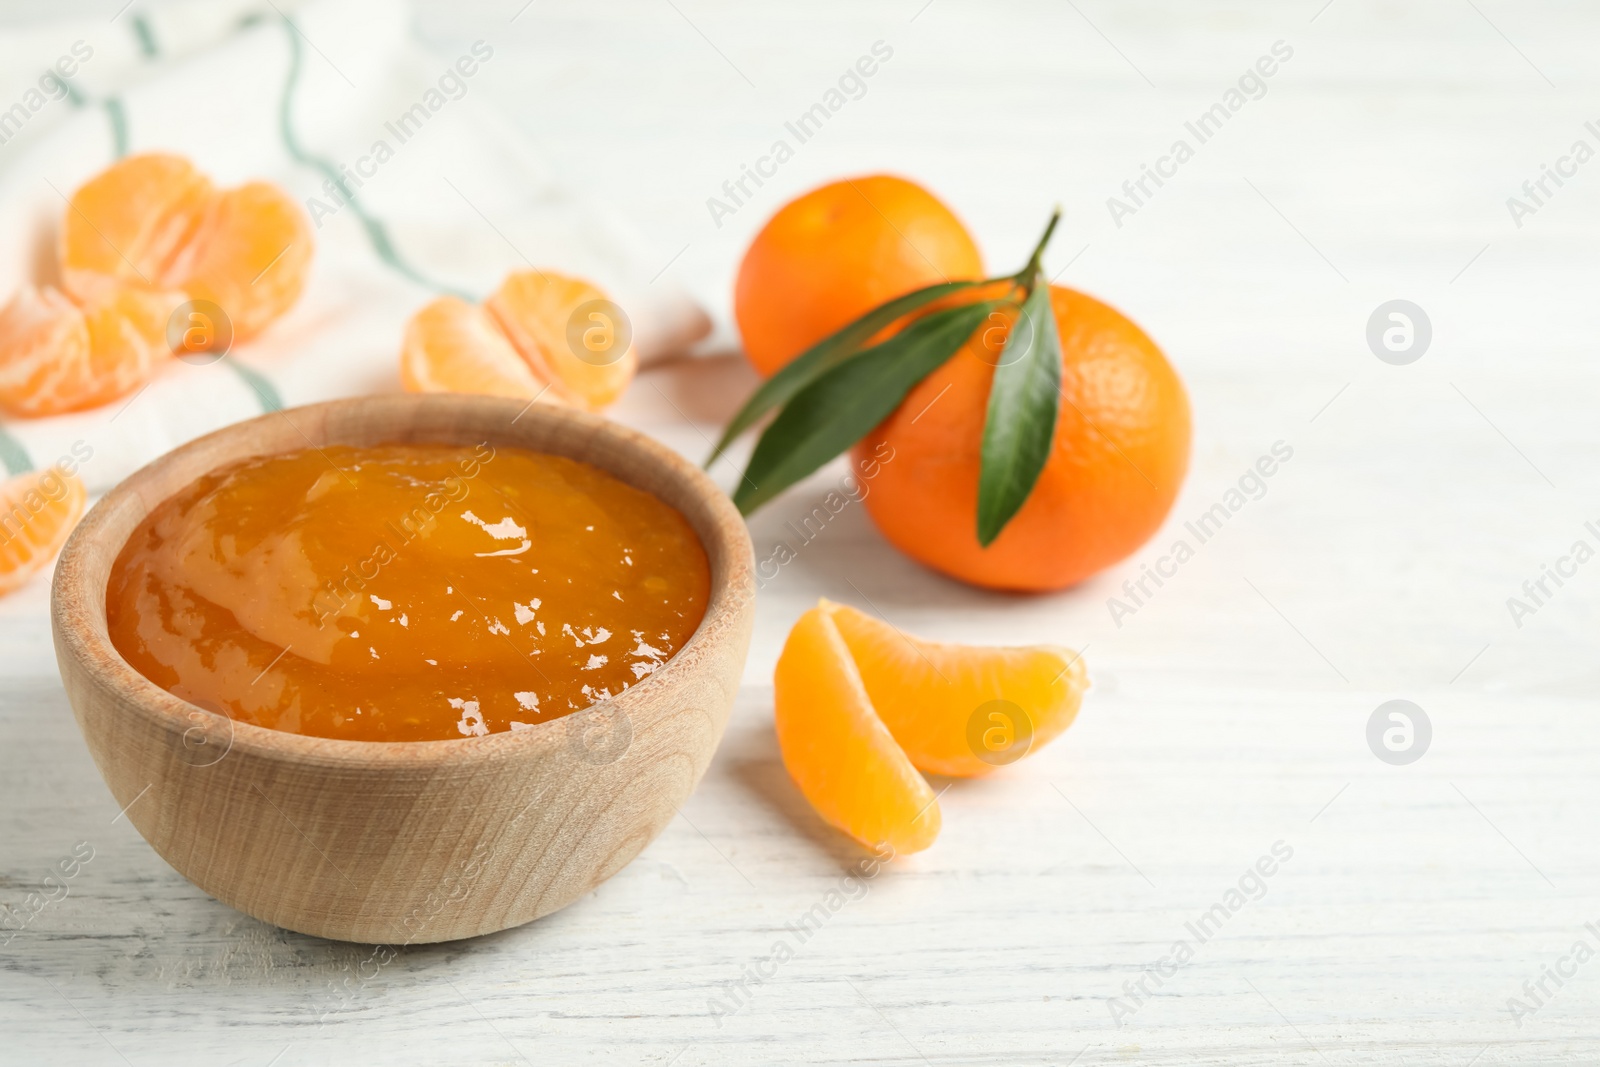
(405, 842)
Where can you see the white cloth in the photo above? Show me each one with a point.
(289, 93)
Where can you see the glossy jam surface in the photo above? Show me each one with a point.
(405, 592)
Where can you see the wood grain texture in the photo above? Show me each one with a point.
(405, 842)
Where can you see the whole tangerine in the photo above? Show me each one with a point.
(835, 253)
(1117, 459)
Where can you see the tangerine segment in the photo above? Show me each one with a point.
(962, 710)
(56, 357)
(127, 343)
(250, 256)
(130, 223)
(452, 346)
(39, 328)
(838, 751)
(37, 512)
(569, 333)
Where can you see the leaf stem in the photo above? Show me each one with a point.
(1024, 276)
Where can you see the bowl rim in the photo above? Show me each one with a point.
(78, 613)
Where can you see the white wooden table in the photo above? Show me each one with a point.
(1229, 712)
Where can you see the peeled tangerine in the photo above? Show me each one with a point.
(540, 335)
(57, 356)
(861, 707)
(452, 346)
(130, 223)
(250, 256)
(154, 221)
(37, 511)
(138, 239)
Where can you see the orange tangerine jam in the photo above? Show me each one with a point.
(405, 592)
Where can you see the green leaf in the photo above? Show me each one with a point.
(843, 403)
(1021, 421)
(827, 354)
